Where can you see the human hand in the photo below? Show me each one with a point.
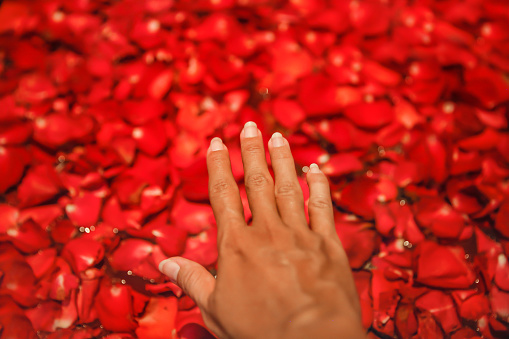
(279, 277)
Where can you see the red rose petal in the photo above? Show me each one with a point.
(370, 115)
(57, 129)
(82, 253)
(84, 209)
(191, 217)
(500, 303)
(342, 163)
(166, 287)
(159, 319)
(114, 307)
(18, 281)
(442, 307)
(486, 85)
(358, 240)
(11, 167)
(40, 184)
(28, 237)
(89, 286)
(42, 261)
(135, 255)
(288, 113)
(151, 109)
(317, 95)
(502, 219)
(474, 307)
(440, 218)
(360, 196)
(442, 266)
(202, 248)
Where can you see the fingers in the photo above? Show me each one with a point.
(258, 182)
(289, 199)
(321, 216)
(223, 190)
(191, 277)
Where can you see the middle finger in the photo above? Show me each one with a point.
(259, 183)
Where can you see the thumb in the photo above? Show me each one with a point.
(191, 277)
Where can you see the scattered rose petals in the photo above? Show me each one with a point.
(107, 110)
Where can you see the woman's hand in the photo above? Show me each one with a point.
(279, 277)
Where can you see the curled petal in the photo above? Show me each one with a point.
(82, 253)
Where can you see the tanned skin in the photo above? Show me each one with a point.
(278, 277)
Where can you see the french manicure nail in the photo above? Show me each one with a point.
(216, 144)
(250, 130)
(169, 268)
(277, 140)
(313, 168)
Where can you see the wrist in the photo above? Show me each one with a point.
(327, 328)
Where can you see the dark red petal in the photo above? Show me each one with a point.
(486, 85)
(165, 287)
(358, 240)
(406, 320)
(442, 266)
(428, 326)
(442, 307)
(11, 167)
(502, 219)
(440, 218)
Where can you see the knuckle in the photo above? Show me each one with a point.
(256, 182)
(286, 189)
(319, 179)
(310, 240)
(216, 159)
(232, 247)
(220, 187)
(281, 154)
(321, 203)
(253, 148)
(233, 242)
(188, 279)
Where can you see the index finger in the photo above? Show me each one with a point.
(223, 190)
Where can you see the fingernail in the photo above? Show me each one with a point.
(277, 140)
(313, 168)
(305, 169)
(169, 268)
(216, 144)
(250, 130)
